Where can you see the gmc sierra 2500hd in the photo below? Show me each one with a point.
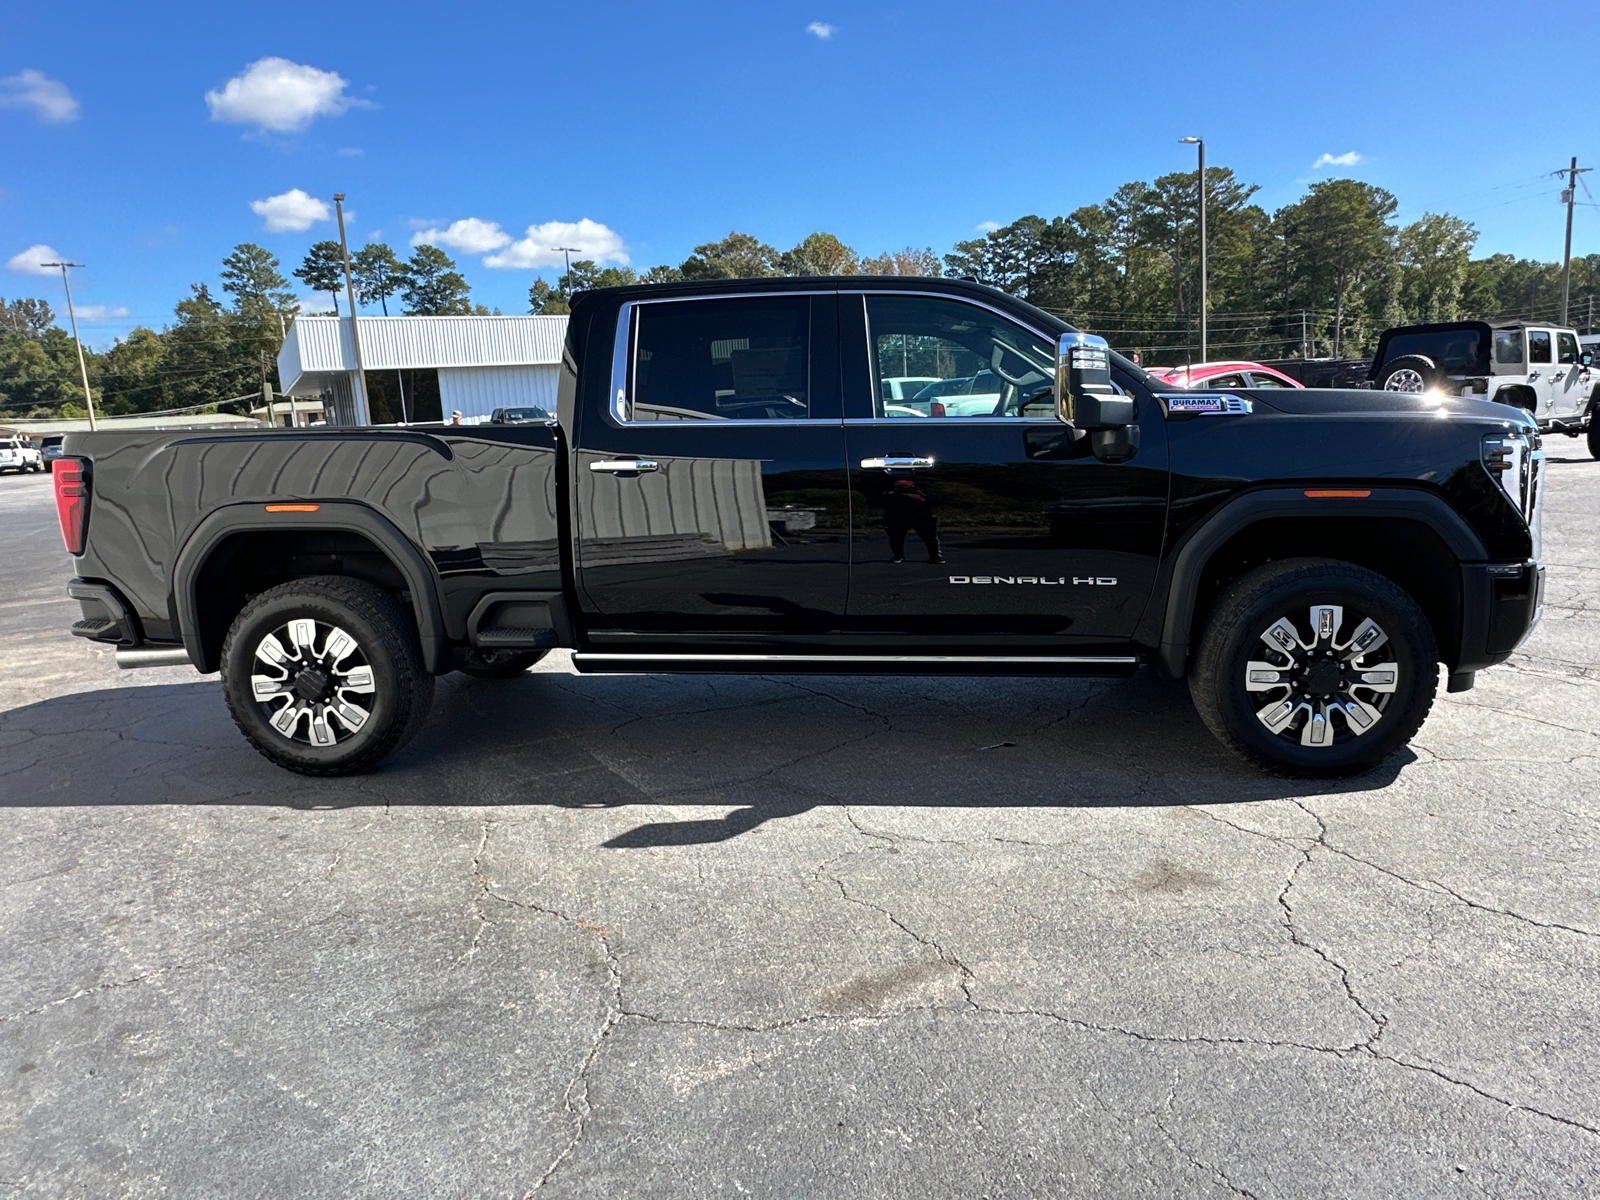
(728, 486)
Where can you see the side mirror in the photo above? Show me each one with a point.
(1085, 398)
(1587, 360)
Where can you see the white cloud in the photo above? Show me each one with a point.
(351, 152)
(1349, 159)
(49, 98)
(822, 29)
(280, 96)
(98, 312)
(987, 226)
(291, 212)
(31, 260)
(469, 235)
(592, 239)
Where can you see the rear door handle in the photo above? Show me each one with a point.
(895, 462)
(625, 466)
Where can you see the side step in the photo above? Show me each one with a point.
(594, 663)
(517, 639)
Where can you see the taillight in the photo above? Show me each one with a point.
(72, 501)
(935, 409)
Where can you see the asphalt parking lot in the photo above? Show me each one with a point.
(613, 937)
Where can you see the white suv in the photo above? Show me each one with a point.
(1537, 367)
(20, 454)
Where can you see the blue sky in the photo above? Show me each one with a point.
(146, 146)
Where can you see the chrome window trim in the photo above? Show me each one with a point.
(919, 422)
(866, 323)
(626, 342)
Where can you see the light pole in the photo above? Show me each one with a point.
(1569, 196)
(363, 409)
(567, 252)
(83, 369)
(1201, 144)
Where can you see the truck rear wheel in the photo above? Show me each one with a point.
(1310, 667)
(324, 675)
(1594, 430)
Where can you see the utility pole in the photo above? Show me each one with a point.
(1201, 144)
(363, 410)
(1569, 196)
(567, 252)
(83, 369)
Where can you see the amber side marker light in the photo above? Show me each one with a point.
(298, 507)
(1338, 493)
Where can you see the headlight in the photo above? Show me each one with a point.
(1516, 464)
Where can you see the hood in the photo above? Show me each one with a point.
(1319, 402)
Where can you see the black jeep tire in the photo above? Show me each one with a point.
(396, 689)
(1235, 703)
(1594, 429)
(499, 664)
(1417, 372)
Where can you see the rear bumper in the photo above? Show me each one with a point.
(1500, 605)
(110, 620)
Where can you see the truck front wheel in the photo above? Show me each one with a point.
(1310, 667)
(324, 675)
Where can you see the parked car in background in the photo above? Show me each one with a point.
(1543, 369)
(50, 449)
(518, 416)
(20, 454)
(1323, 372)
(1225, 375)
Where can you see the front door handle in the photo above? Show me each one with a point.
(1558, 376)
(625, 466)
(895, 462)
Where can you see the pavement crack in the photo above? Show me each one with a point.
(1476, 1090)
(1195, 1160)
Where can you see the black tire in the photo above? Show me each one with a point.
(1235, 635)
(1416, 372)
(1594, 431)
(386, 643)
(499, 664)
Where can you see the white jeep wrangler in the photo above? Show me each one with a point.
(1537, 367)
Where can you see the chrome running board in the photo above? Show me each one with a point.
(594, 662)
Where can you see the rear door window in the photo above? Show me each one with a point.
(1222, 381)
(745, 359)
(1538, 345)
(1508, 347)
(1261, 379)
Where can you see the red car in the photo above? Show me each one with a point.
(1224, 375)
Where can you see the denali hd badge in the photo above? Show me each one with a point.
(1058, 581)
(1205, 404)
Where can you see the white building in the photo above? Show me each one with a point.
(422, 368)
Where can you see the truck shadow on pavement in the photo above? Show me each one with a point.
(764, 748)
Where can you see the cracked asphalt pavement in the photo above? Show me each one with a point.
(627, 936)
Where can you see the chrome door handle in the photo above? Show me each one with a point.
(625, 466)
(1557, 376)
(895, 462)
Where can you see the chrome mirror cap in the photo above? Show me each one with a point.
(1085, 397)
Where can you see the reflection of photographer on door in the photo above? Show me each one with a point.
(906, 509)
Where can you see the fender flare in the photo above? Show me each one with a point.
(335, 515)
(1197, 547)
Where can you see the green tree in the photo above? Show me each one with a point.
(737, 256)
(820, 254)
(1434, 254)
(662, 274)
(25, 316)
(432, 287)
(378, 274)
(250, 275)
(1345, 242)
(323, 270)
(546, 301)
(212, 354)
(132, 373)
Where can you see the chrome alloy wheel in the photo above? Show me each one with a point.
(1309, 681)
(1405, 380)
(312, 674)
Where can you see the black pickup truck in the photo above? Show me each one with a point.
(839, 476)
